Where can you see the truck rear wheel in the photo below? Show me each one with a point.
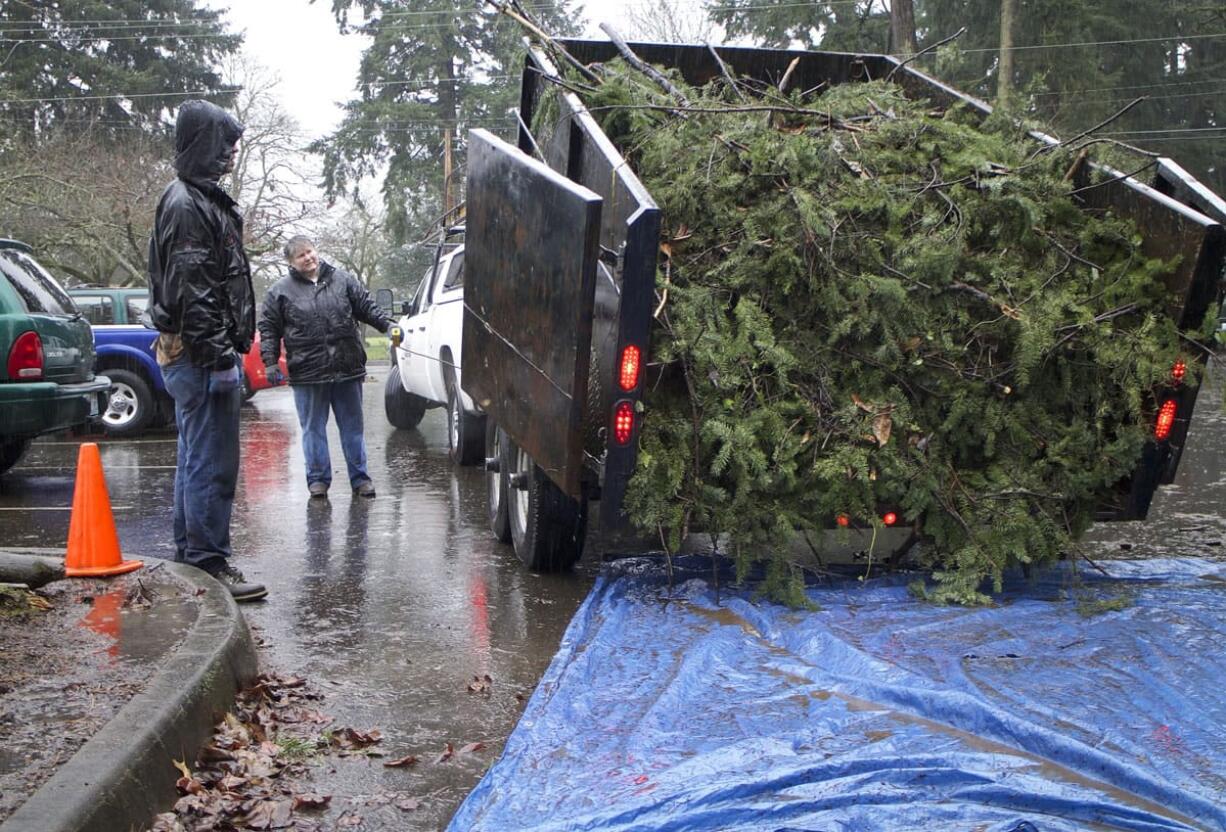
(465, 433)
(403, 409)
(547, 526)
(496, 482)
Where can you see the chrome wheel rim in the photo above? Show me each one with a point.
(455, 423)
(493, 479)
(122, 405)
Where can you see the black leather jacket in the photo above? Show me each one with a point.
(199, 278)
(319, 323)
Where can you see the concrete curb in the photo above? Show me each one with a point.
(124, 775)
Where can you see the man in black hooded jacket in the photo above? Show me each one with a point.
(203, 304)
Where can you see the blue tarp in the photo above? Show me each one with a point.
(877, 712)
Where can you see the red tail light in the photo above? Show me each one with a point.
(631, 364)
(1178, 371)
(889, 518)
(26, 358)
(623, 423)
(1165, 420)
(843, 520)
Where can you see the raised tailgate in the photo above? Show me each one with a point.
(532, 241)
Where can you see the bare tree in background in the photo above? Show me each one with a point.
(84, 201)
(275, 179)
(356, 240)
(669, 21)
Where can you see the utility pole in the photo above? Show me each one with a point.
(448, 203)
(1004, 79)
(902, 27)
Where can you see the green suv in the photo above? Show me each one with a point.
(47, 380)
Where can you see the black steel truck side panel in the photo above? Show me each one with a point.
(530, 258)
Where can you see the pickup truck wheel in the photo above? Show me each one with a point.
(403, 409)
(11, 450)
(496, 482)
(129, 405)
(547, 526)
(465, 433)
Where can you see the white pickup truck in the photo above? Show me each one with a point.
(426, 359)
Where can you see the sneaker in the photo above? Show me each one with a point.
(318, 489)
(239, 587)
(366, 489)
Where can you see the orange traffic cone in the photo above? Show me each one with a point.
(93, 544)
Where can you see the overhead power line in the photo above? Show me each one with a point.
(117, 95)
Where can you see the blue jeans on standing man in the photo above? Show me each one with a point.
(344, 399)
(206, 471)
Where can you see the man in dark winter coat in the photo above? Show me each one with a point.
(316, 310)
(203, 304)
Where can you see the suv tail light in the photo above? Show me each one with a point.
(26, 358)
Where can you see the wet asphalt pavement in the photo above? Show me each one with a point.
(391, 606)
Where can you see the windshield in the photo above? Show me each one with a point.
(38, 291)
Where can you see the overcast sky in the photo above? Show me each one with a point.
(318, 66)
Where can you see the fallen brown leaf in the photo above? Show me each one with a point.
(402, 762)
(268, 814)
(472, 747)
(480, 684)
(189, 785)
(350, 738)
(310, 800)
(447, 754)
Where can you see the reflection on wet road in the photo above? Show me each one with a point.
(391, 606)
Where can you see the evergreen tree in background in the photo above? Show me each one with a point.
(838, 26)
(1075, 62)
(65, 62)
(434, 69)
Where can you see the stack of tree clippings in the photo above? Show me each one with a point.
(870, 304)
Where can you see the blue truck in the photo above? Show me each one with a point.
(138, 397)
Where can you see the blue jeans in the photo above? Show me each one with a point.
(344, 398)
(206, 470)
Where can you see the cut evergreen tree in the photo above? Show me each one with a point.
(868, 302)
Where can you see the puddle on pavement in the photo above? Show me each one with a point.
(139, 635)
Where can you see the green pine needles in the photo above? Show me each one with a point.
(868, 304)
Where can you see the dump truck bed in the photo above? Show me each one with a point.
(1180, 219)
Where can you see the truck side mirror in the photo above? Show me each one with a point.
(386, 300)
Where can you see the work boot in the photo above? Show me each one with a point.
(318, 489)
(365, 489)
(239, 587)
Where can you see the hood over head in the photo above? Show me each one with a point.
(204, 135)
